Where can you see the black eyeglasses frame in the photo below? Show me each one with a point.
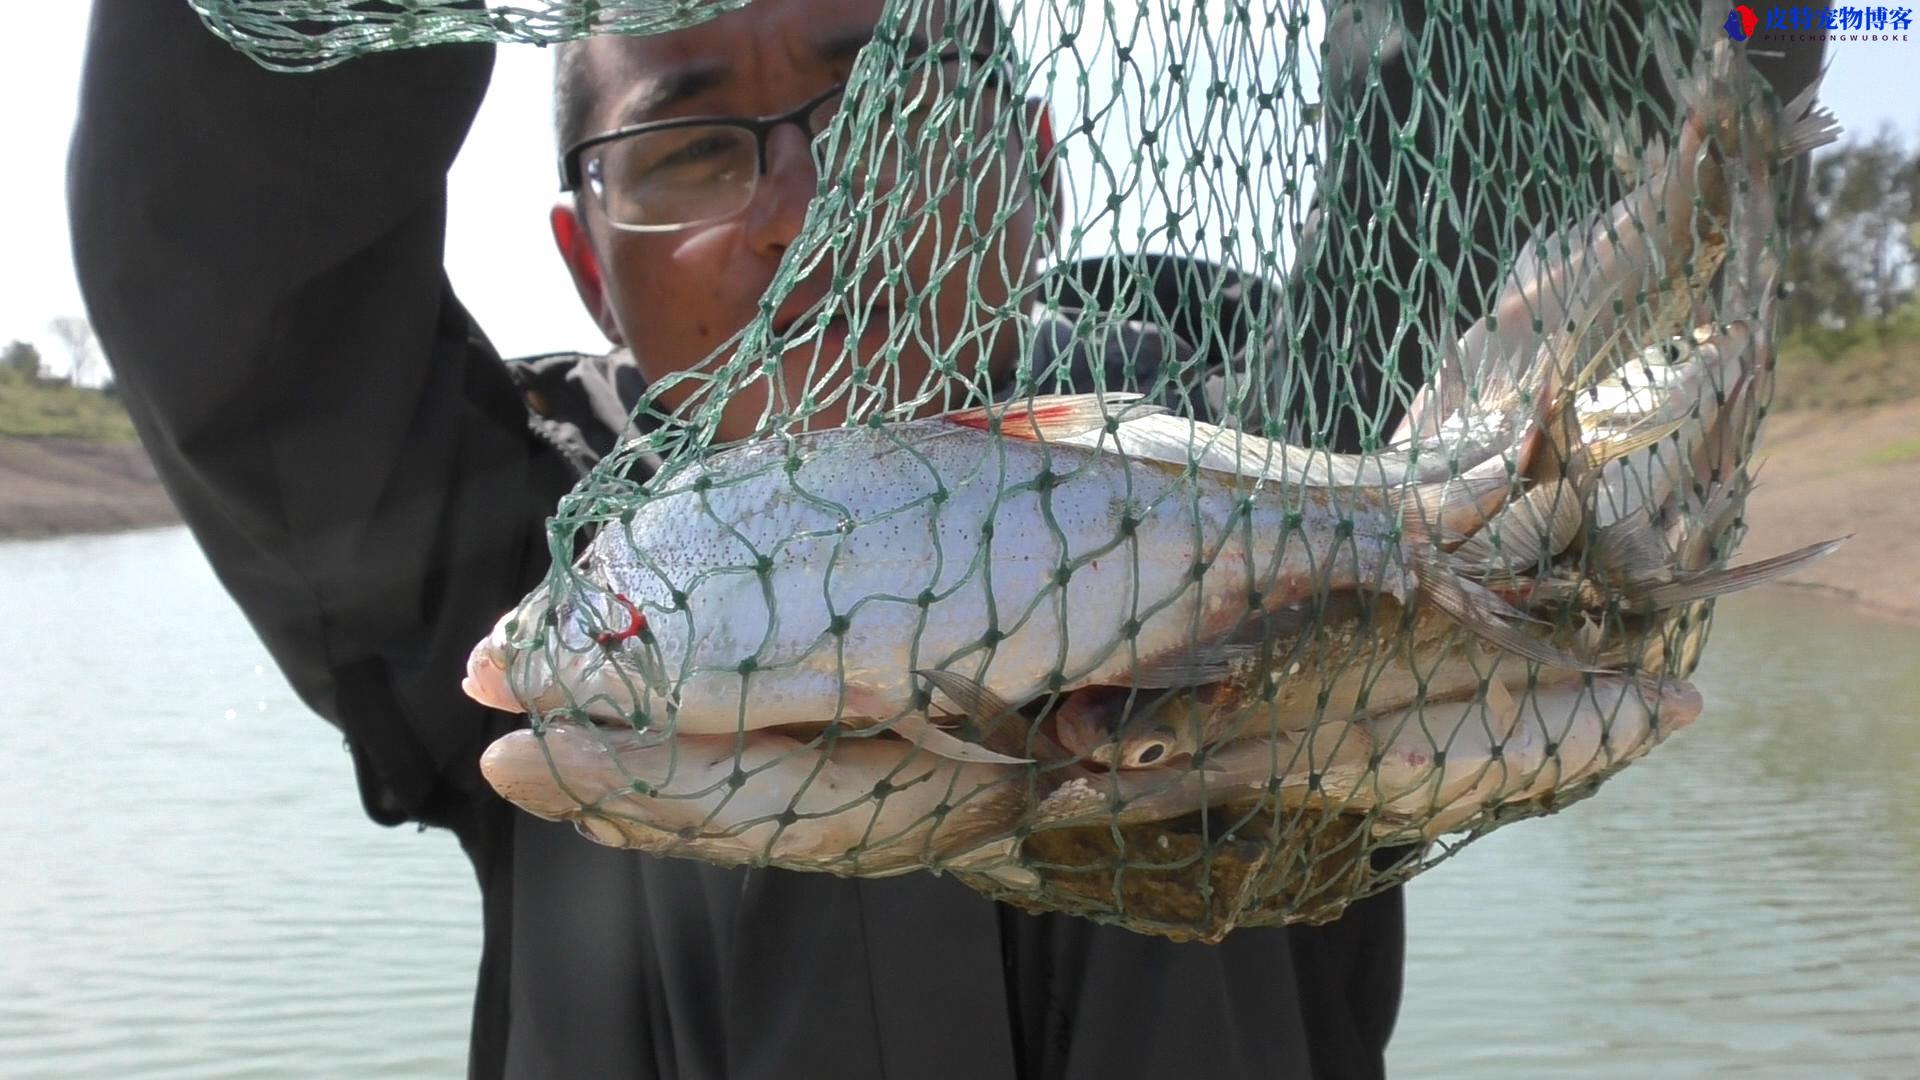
(762, 127)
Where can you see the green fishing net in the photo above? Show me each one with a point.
(1198, 465)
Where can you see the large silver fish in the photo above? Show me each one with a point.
(804, 581)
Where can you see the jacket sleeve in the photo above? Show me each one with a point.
(260, 254)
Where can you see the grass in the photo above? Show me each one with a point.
(44, 407)
(1893, 453)
(1867, 365)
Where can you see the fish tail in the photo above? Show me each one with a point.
(1726, 101)
(1808, 125)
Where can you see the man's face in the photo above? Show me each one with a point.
(675, 296)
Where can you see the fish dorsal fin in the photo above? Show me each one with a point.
(1052, 416)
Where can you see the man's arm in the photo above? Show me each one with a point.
(261, 256)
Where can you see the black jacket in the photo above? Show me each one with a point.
(261, 256)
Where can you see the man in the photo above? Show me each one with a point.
(670, 213)
(261, 255)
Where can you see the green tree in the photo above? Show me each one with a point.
(1856, 241)
(21, 361)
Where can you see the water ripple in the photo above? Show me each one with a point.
(194, 892)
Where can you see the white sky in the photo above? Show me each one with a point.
(499, 253)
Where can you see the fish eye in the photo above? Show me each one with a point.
(1150, 753)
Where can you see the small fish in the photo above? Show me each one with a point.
(1117, 727)
(1501, 749)
(1175, 731)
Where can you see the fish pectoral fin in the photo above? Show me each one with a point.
(1642, 435)
(1502, 710)
(1002, 727)
(1460, 506)
(1534, 528)
(981, 705)
(1711, 583)
(1630, 553)
(916, 728)
(1052, 416)
(1486, 616)
(1807, 125)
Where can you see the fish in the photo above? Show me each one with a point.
(911, 599)
(1419, 772)
(804, 580)
(874, 807)
(877, 807)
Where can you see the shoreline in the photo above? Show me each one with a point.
(1847, 598)
(51, 487)
(1830, 472)
(1824, 472)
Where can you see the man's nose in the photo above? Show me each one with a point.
(782, 196)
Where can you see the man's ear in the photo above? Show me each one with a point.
(1040, 123)
(576, 249)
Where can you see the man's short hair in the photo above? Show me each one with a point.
(574, 92)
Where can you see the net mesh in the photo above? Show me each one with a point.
(1303, 442)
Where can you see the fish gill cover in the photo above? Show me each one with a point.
(1309, 442)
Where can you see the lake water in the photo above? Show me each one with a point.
(190, 889)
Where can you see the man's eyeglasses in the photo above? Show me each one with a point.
(671, 174)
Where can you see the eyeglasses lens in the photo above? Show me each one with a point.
(674, 177)
(679, 176)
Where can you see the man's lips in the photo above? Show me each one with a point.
(806, 309)
(835, 333)
(783, 322)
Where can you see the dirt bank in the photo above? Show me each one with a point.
(51, 486)
(1828, 472)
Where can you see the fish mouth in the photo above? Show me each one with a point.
(486, 679)
(486, 682)
(569, 769)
